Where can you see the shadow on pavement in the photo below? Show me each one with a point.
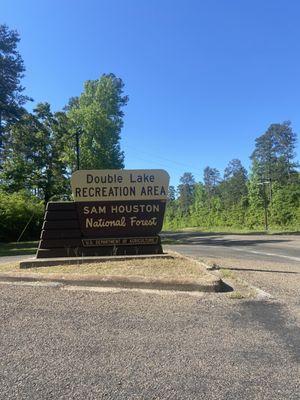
(273, 317)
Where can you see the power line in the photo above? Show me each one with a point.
(162, 158)
(159, 164)
(191, 169)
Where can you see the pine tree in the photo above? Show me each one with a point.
(234, 185)
(274, 153)
(11, 72)
(186, 191)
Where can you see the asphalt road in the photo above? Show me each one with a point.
(274, 248)
(58, 344)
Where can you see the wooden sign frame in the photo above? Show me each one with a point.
(112, 221)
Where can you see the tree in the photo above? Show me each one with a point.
(186, 191)
(285, 206)
(97, 114)
(11, 72)
(274, 153)
(234, 185)
(171, 193)
(273, 163)
(235, 168)
(35, 154)
(199, 207)
(211, 177)
(171, 209)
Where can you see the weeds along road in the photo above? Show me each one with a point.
(78, 344)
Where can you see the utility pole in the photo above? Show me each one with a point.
(77, 133)
(266, 213)
(265, 204)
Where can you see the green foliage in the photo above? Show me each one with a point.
(285, 206)
(97, 114)
(234, 185)
(35, 152)
(211, 178)
(16, 209)
(186, 192)
(255, 210)
(40, 148)
(238, 202)
(274, 153)
(11, 73)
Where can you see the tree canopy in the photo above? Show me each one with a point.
(35, 152)
(38, 149)
(11, 72)
(274, 153)
(98, 117)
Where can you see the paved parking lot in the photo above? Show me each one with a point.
(59, 344)
(121, 344)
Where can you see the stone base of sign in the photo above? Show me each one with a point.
(61, 236)
(52, 262)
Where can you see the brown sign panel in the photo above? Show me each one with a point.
(121, 218)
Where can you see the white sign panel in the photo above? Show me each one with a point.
(116, 185)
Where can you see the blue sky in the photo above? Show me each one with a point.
(204, 78)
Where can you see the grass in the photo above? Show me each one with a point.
(237, 295)
(225, 273)
(171, 241)
(174, 268)
(15, 249)
(241, 288)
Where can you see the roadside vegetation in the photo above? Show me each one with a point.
(267, 198)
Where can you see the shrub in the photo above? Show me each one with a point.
(16, 211)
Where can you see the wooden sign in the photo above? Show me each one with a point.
(114, 212)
